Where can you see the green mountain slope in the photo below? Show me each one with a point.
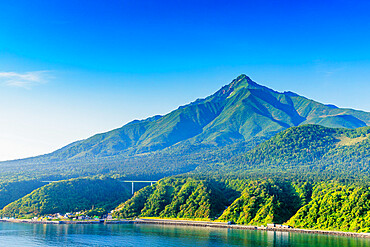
(326, 205)
(177, 198)
(69, 196)
(244, 201)
(237, 112)
(336, 207)
(235, 119)
(264, 202)
(11, 191)
(307, 149)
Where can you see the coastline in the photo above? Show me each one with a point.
(193, 223)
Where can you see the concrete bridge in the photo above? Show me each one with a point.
(137, 181)
(132, 183)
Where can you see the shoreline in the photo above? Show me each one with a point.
(245, 227)
(193, 223)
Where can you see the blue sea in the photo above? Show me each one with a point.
(19, 234)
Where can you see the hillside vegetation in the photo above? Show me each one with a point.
(264, 202)
(308, 149)
(336, 207)
(176, 198)
(69, 196)
(11, 191)
(247, 201)
(299, 203)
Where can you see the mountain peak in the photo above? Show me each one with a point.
(245, 82)
(242, 80)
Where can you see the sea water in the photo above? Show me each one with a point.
(20, 234)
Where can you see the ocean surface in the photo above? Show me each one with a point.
(16, 234)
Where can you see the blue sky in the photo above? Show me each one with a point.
(70, 69)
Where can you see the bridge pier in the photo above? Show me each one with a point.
(133, 184)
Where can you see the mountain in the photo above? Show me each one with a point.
(237, 112)
(305, 150)
(228, 123)
(246, 154)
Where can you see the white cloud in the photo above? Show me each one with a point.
(24, 80)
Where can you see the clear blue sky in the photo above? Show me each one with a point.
(70, 69)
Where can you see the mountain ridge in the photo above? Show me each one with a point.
(204, 120)
(227, 123)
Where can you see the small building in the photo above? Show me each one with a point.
(109, 217)
(286, 226)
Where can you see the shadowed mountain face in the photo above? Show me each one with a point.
(238, 112)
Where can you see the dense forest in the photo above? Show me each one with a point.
(11, 191)
(299, 203)
(264, 202)
(69, 196)
(307, 149)
(176, 198)
(246, 201)
(302, 203)
(174, 160)
(336, 206)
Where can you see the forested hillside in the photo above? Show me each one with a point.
(178, 198)
(247, 201)
(299, 203)
(308, 149)
(313, 203)
(264, 202)
(11, 191)
(69, 196)
(336, 207)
